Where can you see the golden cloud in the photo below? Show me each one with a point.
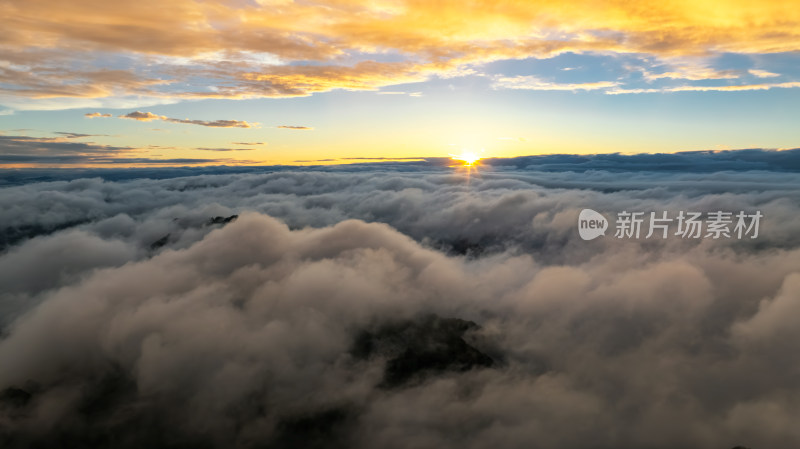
(249, 49)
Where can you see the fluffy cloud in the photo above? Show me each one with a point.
(254, 330)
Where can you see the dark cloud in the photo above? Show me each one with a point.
(67, 135)
(28, 175)
(692, 161)
(396, 305)
(62, 151)
(46, 150)
(145, 160)
(39, 145)
(82, 159)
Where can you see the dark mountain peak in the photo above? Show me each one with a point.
(221, 220)
(418, 349)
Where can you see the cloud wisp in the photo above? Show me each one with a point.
(149, 116)
(533, 83)
(295, 127)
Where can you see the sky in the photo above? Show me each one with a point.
(254, 82)
(240, 224)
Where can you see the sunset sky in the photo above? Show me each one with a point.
(182, 82)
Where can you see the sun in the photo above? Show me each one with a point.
(469, 158)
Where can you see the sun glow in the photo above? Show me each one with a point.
(467, 157)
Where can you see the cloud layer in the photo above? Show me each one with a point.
(248, 330)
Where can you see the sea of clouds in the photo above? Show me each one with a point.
(129, 317)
